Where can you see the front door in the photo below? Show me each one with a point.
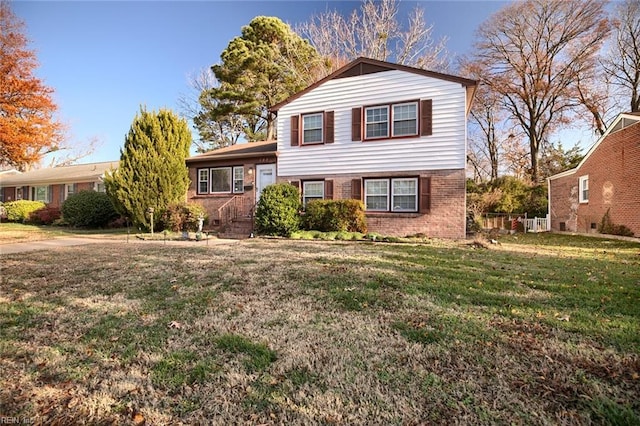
(265, 175)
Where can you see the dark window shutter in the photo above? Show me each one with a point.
(63, 190)
(356, 124)
(328, 189)
(295, 132)
(425, 194)
(295, 183)
(328, 127)
(356, 189)
(426, 117)
(50, 195)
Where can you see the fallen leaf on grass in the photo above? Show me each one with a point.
(138, 419)
(176, 325)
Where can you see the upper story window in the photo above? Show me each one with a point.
(221, 180)
(396, 120)
(584, 189)
(376, 122)
(405, 119)
(312, 128)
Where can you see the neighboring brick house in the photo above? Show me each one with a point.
(54, 185)
(390, 135)
(607, 179)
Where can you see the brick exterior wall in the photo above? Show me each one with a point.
(614, 184)
(447, 215)
(212, 202)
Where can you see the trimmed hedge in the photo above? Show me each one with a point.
(21, 210)
(88, 208)
(278, 210)
(183, 216)
(335, 216)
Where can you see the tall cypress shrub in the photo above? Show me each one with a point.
(152, 171)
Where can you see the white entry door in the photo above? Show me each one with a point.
(265, 175)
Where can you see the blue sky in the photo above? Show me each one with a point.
(106, 58)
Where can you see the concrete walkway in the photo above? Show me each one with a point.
(54, 243)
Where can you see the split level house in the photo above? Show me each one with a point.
(55, 184)
(389, 135)
(606, 180)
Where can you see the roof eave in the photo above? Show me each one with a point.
(199, 159)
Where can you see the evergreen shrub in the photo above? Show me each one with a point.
(88, 208)
(277, 212)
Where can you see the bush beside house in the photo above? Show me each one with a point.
(183, 217)
(21, 210)
(335, 216)
(88, 208)
(278, 210)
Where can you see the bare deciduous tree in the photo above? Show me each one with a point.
(374, 31)
(532, 53)
(623, 61)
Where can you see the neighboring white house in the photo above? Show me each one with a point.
(391, 135)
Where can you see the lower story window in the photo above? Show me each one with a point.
(312, 190)
(219, 180)
(40, 193)
(395, 195)
(203, 181)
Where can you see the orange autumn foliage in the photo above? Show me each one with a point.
(28, 129)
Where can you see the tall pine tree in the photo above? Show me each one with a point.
(152, 171)
(265, 65)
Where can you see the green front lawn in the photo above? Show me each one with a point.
(539, 329)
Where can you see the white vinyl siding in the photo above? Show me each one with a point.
(444, 149)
